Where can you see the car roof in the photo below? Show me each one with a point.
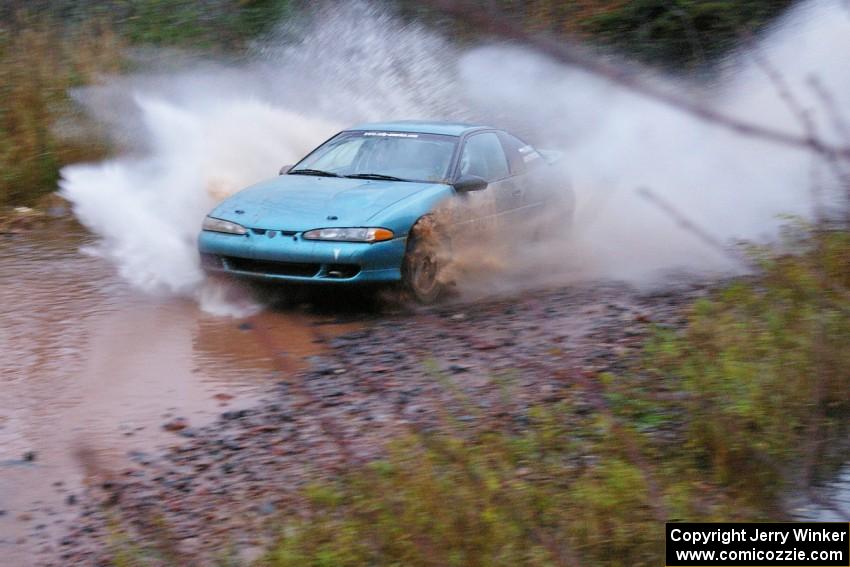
(421, 126)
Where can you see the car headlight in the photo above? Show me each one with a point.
(350, 234)
(218, 225)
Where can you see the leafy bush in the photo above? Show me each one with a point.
(677, 34)
(765, 366)
(197, 24)
(680, 33)
(212, 24)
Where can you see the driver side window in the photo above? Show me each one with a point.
(484, 157)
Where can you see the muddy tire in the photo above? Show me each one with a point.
(420, 271)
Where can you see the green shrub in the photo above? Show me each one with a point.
(496, 499)
(213, 24)
(765, 367)
(679, 33)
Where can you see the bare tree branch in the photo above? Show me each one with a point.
(839, 124)
(803, 116)
(690, 226)
(570, 53)
(839, 121)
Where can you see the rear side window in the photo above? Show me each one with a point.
(483, 156)
(520, 155)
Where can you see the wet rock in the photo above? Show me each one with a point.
(485, 344)
(176, 424)
(320, 372)
(236, 414)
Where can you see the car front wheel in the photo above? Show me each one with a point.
(423, 263)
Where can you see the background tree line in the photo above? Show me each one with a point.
(50, 46)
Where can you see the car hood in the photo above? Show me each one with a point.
(301, 202)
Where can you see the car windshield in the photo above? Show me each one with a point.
(405, 156)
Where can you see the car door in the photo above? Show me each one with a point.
(483, 156)
(526, 176)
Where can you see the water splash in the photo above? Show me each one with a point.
(197, 132)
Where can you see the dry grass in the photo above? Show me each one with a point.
(40, 61)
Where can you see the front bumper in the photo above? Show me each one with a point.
(276, 256)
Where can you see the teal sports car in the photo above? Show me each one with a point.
(364, 207)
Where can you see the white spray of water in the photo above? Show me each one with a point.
(199, 134)
(148, 208)
(617, 142)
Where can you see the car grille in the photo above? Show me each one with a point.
(300, 269)
(273, 233)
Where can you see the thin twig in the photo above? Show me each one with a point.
(840, 125)
(803, 116)
(692, 227)
(840, 298)
(838, 119)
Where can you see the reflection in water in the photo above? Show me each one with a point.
(86, 363)
(216, 344)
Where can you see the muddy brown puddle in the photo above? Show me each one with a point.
(86, 363)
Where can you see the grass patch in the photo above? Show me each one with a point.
(716, 421)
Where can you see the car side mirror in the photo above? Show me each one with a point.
(284, 170)
(469, 183)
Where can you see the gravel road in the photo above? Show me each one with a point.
(220, 488)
